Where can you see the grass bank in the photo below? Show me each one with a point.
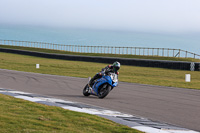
(142, 75)
(103, 55)
(20, 116)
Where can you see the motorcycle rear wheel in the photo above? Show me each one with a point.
(104, 90)
(85, 91)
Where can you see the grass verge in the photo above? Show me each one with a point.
(142, 75)
(20, 116)
(103, 55)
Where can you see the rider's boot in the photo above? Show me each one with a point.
(91, 82)
(89, 88)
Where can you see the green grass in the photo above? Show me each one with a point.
(104, 55)
(20, 116)
(142, 75)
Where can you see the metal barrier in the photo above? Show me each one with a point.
(180, 65)
(163, 52)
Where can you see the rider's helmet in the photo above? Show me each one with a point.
(116, 66)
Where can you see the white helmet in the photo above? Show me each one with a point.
(116, 66)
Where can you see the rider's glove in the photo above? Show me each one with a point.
(102, 73)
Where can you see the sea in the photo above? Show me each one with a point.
(92, 37)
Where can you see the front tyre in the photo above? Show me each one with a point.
(104, 90)
(85, 91)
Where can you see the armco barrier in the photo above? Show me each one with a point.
(181, 65)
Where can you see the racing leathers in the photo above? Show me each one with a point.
(104, 71)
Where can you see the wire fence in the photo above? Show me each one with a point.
(144, 51)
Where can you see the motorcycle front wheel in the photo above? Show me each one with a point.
(104, 90)
(85, 91)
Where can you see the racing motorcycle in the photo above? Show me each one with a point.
(102, 86)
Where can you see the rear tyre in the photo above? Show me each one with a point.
(104, 90)
(85, 91)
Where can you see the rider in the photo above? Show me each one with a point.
(110, 68)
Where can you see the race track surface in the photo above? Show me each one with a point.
(177, 106)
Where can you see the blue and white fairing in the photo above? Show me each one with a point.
(111, 79)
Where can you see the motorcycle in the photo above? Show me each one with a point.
(102, 86)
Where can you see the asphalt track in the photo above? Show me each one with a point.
(177, 106)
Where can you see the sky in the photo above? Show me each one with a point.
(140, 15)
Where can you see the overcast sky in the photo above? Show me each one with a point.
(144, 15)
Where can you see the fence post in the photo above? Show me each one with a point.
(186, 54)
(168, 53)
(87, 49)
(153, 52)
(92, 47)
(135, 50)
(64, 47)
(143, 51)
(179, 53)
(67, 47)
(139, 51)
(157, 51)
(163, 52)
